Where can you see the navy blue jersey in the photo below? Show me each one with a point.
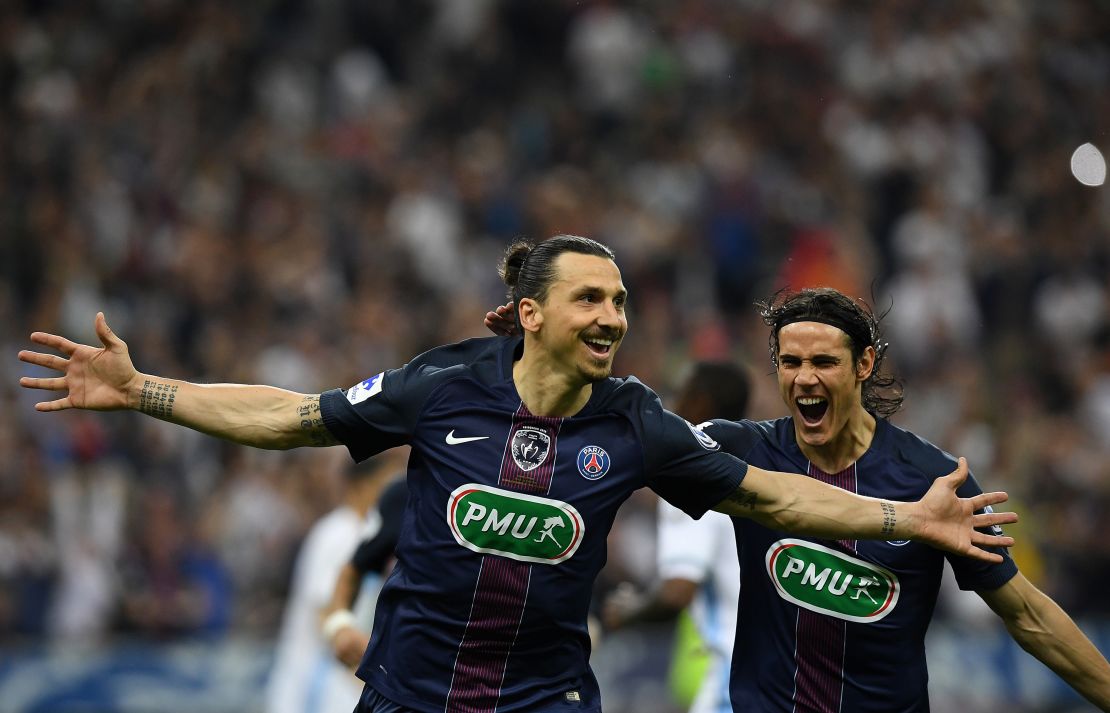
(506, 522)
(836, 626)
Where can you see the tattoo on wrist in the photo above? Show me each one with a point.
(889, 518)
(312, 421)
(742, 498)
(156, 399)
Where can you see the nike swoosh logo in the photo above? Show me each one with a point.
(453, 441)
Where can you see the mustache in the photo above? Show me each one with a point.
(613, 334)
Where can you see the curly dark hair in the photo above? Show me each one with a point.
(882, 393)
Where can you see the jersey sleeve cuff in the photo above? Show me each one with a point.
(332, 404)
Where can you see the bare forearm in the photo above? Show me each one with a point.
(346, 589)
(1049, 634)
(260, 416)
(802, 505)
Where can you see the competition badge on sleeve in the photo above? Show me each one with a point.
(365, 389)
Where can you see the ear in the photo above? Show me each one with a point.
(531, 316)
(866, 364)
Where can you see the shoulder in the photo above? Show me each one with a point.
(461, 353)
(914, 450)
(626, 392)
(478, 358)
(739, 437)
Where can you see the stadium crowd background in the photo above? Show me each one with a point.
(302, 193)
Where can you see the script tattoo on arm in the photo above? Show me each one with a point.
(889, 518)
(742, 498)
(156, 399)
(312, 422)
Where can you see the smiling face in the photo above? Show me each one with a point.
(819, 381)
(582, 319)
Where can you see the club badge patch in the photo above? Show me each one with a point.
(593, 462)
(530, 446)
(364, 390)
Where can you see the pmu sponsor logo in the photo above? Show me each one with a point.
(830, 582)
(514, 525)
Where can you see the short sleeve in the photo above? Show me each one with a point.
(735, 437)
(684, 465)
(381, 411)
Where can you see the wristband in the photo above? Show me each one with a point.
(338, 619)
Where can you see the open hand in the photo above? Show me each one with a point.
(948, 520)
(96, 378)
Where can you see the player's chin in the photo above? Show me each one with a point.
(594, 371)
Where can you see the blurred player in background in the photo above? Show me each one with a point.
(696, 562)
(347, 633)
(501, 542)
(305, 677)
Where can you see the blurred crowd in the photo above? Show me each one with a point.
(304, 192)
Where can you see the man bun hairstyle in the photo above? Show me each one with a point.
(528, 267)
(882, 393)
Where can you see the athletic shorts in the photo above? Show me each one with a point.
(373, 702)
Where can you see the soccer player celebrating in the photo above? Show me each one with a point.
(521, 454)
(839, 625)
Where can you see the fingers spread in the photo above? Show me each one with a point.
(985, 540)
(982, 500)
(50, 361)
(55, 383)
(54, 342)
(57, 405)
(107, 337)
(976, 553)
(986, 519)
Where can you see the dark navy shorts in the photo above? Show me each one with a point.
(373, 702)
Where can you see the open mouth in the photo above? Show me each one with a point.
(812, 408)
(600, 347)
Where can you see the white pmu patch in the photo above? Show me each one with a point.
(365, 389)
(703, 438)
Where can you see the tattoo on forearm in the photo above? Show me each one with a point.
(312, 421)
(889, 518)
(742, 498)
(156, 399)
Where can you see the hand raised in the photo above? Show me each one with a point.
(949, 520)
(96, 378)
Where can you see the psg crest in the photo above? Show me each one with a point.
(593, 462)
(530, 447)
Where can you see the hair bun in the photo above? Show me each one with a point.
(513, 262)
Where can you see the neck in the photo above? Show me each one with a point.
(849, 445)
(547, 390)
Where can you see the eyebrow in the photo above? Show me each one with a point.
(821, 355)
(622, 292)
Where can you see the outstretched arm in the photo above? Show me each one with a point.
(104, 379)
(796, 503)
(1043, 629)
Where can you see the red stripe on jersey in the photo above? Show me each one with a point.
(501, 592)
(819, 640)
